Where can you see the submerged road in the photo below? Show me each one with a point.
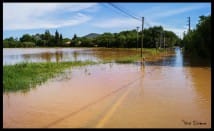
(168, 93)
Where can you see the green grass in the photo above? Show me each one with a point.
(27, 75)
(127, 59)
(122, 60)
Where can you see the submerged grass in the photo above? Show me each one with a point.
(27, 75)
(128, 59)
(24, 76)
(148, 53)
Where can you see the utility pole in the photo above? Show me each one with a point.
(183, 38)
(142, 38)
(164, 40)
(160, 39)
(189, 23)
(137, 37)
(107, 42)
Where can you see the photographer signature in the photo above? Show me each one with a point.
(193, 122)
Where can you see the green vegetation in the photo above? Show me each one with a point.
(128, 59)
(124, 59)
(38, 40)
(26, 75)
(197, 42)
(148, 54)
(153, 38)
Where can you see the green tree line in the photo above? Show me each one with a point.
(38, 40)
(153, 37)
(197, 42)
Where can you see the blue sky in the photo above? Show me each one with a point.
(85, 18)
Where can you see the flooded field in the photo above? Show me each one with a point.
(19, 55)
(168, 93)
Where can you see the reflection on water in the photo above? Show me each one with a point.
(178, 57)
(165, 93)
(13, 55)
(17, 55)
(179, 60)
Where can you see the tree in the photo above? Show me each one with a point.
(104, 40)
(124, 39)
(28, 44)
(170, 38)
(198, 41)
(121, 39)
(26, 38)
(60, 40)
(11, 42)
(74, 37)
(57, 40)
(47, 38)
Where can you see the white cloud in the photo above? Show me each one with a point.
(33, 23)
(164, 11)
(43, 15)
(172, 12)
(78, 6)
(117, 23)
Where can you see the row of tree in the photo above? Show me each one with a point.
(40, 40)
(153, 37)
(197, 42)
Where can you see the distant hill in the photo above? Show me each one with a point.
(91, 35)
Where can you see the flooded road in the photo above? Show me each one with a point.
(168, 93)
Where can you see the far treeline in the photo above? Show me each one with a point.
(153, 37)
(195, 42)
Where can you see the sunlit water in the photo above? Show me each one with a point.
(166, 93)
(18, 55)
(13, 56)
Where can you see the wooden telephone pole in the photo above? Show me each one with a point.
(137, 37)
(189, 23)
(142, 38)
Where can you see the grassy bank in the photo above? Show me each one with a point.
(26, 75)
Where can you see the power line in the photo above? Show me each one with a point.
(125, 11)
(134, 17)
(106, 5)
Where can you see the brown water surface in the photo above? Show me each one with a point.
(169, 93)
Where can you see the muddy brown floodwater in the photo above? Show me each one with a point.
(169, 93)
